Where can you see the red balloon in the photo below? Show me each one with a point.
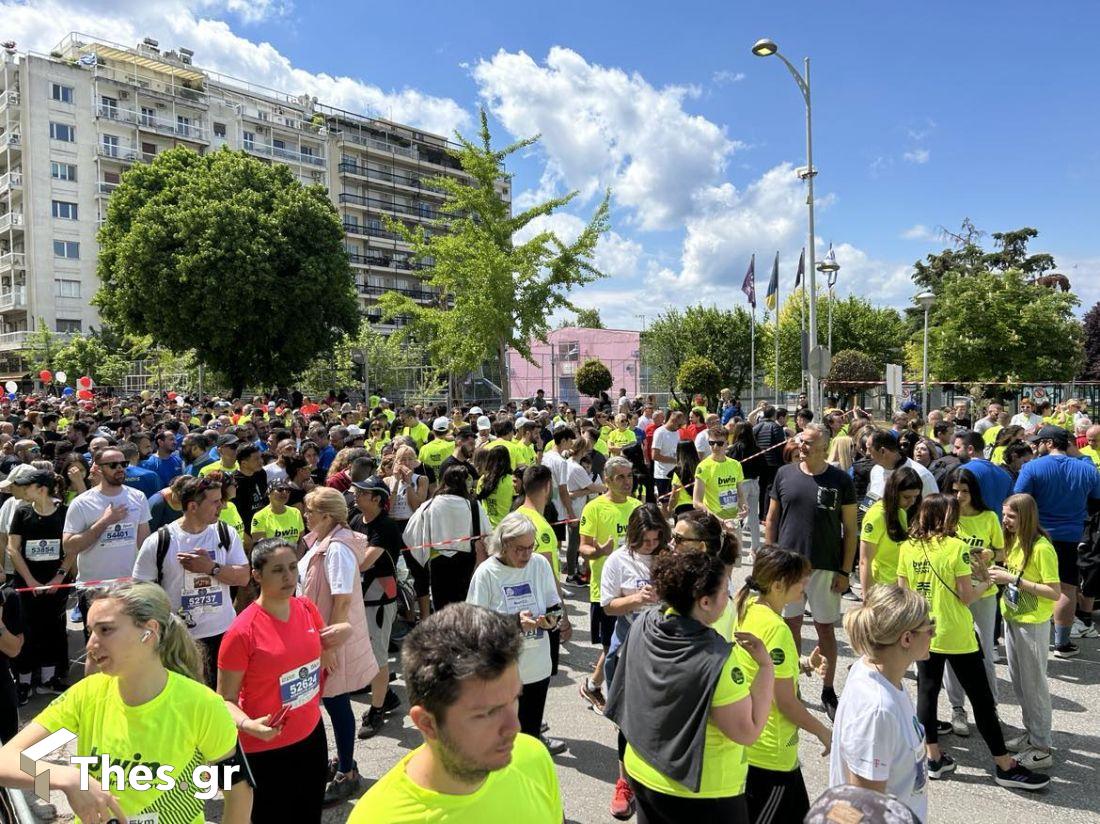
(171, 396)
(84, 394)
(84, 382)
(45, 376)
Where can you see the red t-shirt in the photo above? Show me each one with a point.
(688, 433)
(647, 444)
(281, 662)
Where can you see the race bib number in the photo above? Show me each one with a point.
(727, 500)
(120, 533)
(43, 549)
(520, 598)
(202, 599)
(301, 685)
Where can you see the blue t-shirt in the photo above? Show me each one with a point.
(144, 480)
(326, 457)
(166, 468)
(994, 482)
(1061, 486)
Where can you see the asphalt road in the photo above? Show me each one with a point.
(587, 771)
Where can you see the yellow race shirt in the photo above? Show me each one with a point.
(601, 447)
(932, 569)
(683, 496)
(980, 532)
(286, 524)
(499, 502)
(720, 480)
(1092, 453)
(1042, 568)
(724, 760)
(185, 726)
(884, 566)
(604, 521)
(418, 433)
(546, 542)
(777, 747)
(217, 467)
(515, 455)
(433, 453)
(989, 437)
(231, 516)
(525, 791)
(621, 438)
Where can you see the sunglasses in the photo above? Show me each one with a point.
(717, 443)
(676, 540)
(111, 464)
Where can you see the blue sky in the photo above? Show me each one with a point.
(921, 118)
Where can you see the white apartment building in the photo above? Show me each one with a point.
(72, 122)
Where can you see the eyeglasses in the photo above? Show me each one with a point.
(718, 443)
(523, 547)
(677, 539)
(111, 464)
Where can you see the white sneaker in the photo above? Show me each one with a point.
(1081, 630)
(1018, 744)
(1035, 759)
(959, 723)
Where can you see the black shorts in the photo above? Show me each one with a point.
(1068, 571)
(1088, 565)
(602, 625)
(776, 797)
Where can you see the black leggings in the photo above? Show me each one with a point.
(45, 641)
(532, 704)
(450, 578)
(776, 797)
(306, 765)
(658, 808)
(969, 669)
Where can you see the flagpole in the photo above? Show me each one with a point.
(778, 305)
(752, 358)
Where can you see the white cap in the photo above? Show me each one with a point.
(476, 410)
(521, 421)
(355, 432)
(383, 400)
(441, 424)
(483, 423)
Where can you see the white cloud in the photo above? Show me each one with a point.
(918, 232)
(604, 127)
(182, 22)
(726, 77)
(918, 156)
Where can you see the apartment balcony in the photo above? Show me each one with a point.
(11, 180)
(385, 176)
(422, 295)
(9, 100)
(149, 122)
(11, 141)
(282, 153)
(380, 145)
(104, 189)
(12, 299)
(12, 261)
(383, 262)
(120, 154)
(157, 86)
(11, 220)
(13, 340)
(423, 212)
(370, 231)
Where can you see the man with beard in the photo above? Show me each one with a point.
(465, 441)
(461, 667)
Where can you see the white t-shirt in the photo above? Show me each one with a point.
(559, 472)
(577, 477)
(113, 555)
(665, 441)
(205, 600)
(274, 472)
(7, 513)
(340, 567)
(702, 444)
(510, 590)
(877, 736)
(624, 573)
(877, 486)
(1026, 419)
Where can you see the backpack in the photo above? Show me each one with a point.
(164, 540)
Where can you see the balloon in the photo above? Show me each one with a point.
(180, 401)
(68, 390)
(11, 396)
(84, 382)
(61, 377)
(84, 394)
(11, 386)
(171, 396)
(45, 376)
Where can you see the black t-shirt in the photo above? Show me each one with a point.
(13, 615)
(767, 434)
(251, 495)
(451, 460)
(41, 541)
(810, 513)
(385, 532)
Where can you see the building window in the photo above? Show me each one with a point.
(148, 116)
(68, 326)
(278, 144)
(68, 249)
(249, 139)
(60, 93)
(219, 130)
(109, 106)
(148, 150)
(67, 289)
(110, 145)
(62, 171)
(62, 131)
(307, 151)
(64, 210)
(183, 125)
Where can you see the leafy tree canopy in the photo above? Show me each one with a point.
(588, 319)
(228, 256)
(1092, 344)
(700, 376)
(592, 378)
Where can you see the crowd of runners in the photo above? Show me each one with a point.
(238, 566)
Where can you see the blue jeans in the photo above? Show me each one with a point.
(343, 729)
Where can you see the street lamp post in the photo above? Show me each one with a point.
(925, 299)
(767, 48)
(829, 267)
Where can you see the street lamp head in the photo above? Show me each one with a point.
(829, 264)
(926, 299)
(764, 47)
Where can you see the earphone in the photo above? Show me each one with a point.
(145, 635)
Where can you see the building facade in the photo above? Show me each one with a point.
(72, 122)
(556, 362)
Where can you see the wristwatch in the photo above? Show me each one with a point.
(215, 570)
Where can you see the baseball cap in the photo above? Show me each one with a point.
(475, 410)
(25, 475)
(441, 424)
(383, 400)
(228, 440)
(1050, 433)
(355, 432)
(848, 803)
(372, 484)
(521, 421)
(278, 485)
(483, 423)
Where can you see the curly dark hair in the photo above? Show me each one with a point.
(681, 579)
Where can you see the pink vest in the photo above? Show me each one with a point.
(356, 665)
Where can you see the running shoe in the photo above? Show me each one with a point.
(593, 695)
(1018, 777)
(938, 769)
(1067, 650)
(391, 702)
(622, 803)
(25, 693)
(1018, 744)
(1082, 630)
(1034, 759)
(373, 722)
(55, 686)
(959, 724)
(555, 745)
(545, 728)
(341, 788)
(829, 701)
(944, 728)
(848, 595)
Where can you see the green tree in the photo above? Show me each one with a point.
(230, 257)
(967, 257)
(700, 376)
(852, 370)
(388, 361)
(42, 347)
(592, 378)
(493, 292)
(1091, 328)
(721, 336)
(87, 355)
(588, 319)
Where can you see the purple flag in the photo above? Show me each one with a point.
(749, 284)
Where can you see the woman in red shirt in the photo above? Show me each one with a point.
(270, 670)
